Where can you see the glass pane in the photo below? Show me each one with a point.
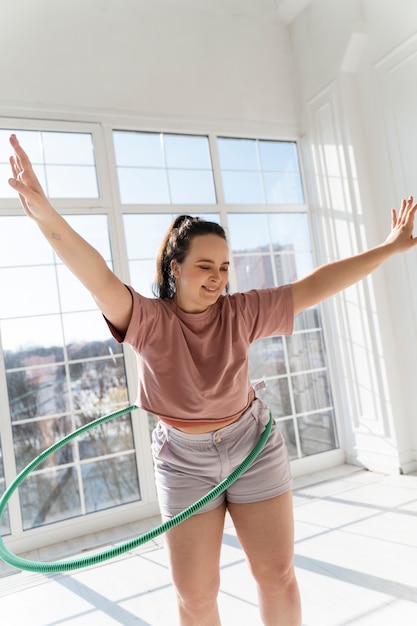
(306, 352)
(238, 154)
(288, 431)
(22, 243)
(248, 232)
(191, 187)
(29, 336)
(142, 275)
(266, 358)
(283, 188)
(71, 181)
(70, 148)
(29, 139)
(138, 149)
(307, 319)
(94, 228)
(290, 231)
(278, 156)
(87, 334)
(291, 267)
(144, 234)
(30, 439)
(73, 295)
(28, 291)
(49, 497)
(285, 267)
(277, 397)
(98, 384)
(108, 438)
(5, 190)
(243, 188)
(148, 186)
(37, 391)
(186, 151)
(304, 264)
(253, 272)
(311, 392)
(110, 482)
(317, 433)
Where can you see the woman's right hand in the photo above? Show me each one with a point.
(25, 181)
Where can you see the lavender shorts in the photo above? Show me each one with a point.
(189, 466)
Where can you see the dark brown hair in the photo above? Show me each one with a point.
(175, 246)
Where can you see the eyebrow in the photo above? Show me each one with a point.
(211, 261)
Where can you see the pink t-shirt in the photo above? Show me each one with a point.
(193, 367)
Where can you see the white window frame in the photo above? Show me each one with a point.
(108, 203)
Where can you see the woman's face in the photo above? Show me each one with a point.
(202, 277)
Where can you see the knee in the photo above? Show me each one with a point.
(273, 574)
(197, 599)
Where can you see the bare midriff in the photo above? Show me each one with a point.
(198, 429)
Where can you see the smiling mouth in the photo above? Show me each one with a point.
(211, 289)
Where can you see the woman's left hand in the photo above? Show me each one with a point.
(402, 225)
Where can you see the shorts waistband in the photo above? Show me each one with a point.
(255, 411)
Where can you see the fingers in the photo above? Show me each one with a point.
(16, 145)
(21, 159)
(402, 209)
(407, 209)
(410, 208)
(16, 171)
(393, 218)
(22, 170)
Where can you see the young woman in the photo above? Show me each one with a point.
(191, 343)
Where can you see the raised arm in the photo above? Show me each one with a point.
(111, 295)
(329, 279)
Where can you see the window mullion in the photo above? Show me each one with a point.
(9, 461)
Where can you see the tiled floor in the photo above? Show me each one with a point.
(356, 562)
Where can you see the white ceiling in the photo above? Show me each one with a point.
(281, 10)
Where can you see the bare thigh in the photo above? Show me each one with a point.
(194, 553)
(266, 532)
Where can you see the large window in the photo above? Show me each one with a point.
(60, 367)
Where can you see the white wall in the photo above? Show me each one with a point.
(220, 60)
(356, 64)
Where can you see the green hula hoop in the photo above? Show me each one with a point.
(94, 559)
